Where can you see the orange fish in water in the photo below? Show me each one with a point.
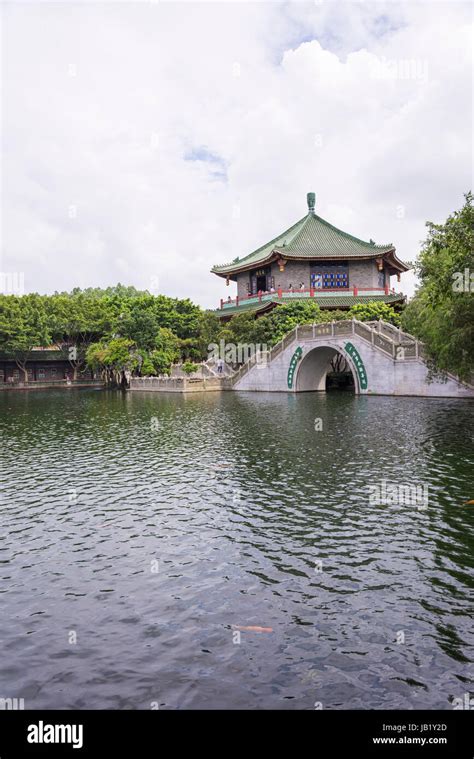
(471, 503)
(252, 628)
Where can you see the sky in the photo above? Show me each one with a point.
(144, 142)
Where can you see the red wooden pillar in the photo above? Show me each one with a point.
(355, 290)
(236, 300)
(311, 292)
(260, 295)
(386, 290)
(222, 303)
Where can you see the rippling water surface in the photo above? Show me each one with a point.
(150, 525)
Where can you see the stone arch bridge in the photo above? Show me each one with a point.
(383, 361)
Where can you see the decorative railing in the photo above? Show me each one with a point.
(361, 329)
(310, 292)
(343, 327)
(322, 329)
(389, 330)
(305, 331)
(383, 343)
(381, 335)
(41, 383)
(176, 384)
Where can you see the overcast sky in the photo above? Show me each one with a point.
(146, 141)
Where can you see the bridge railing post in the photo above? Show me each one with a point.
(353, 325)
(416, 348)
(314, 330)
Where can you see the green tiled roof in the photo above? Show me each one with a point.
(329, 301)
(310, 237)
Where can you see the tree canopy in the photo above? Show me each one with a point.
(367, 312)
(24, 325)
(106, 329)
(441, 313)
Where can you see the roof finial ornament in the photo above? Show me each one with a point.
(311, 198)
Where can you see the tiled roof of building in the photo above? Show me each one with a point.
(310, 237)
(51, 353)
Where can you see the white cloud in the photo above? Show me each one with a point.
(105, 105)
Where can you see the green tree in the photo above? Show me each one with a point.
(166, 351)
(113, 358)
(208, 331)
(96, 356)
(367, 312)
(145, 314)
(337, 315)
(441, 313)
(76, 321)
(285, 318)
(188, 367)
(147, 369)
(23, 327)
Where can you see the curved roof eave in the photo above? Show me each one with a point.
(311, 238)
(276, 253)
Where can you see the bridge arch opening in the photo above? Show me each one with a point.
(325, 368)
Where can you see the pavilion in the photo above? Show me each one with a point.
(312, 259)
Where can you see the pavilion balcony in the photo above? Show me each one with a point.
(309, 292)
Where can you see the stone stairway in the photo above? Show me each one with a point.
(382, 335)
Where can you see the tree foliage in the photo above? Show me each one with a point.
(367, 312)
(441, 313)
(24, 325)
(103, 328)
(188, 367)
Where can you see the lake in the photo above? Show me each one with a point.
(141, 531)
